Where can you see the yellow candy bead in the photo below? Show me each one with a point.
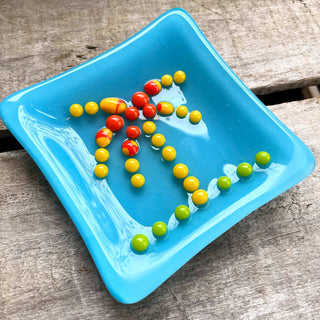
(180, 171)
(200, 197)
(113, 105)
(158, 140)
(137, 180)
(166, 80)
(101, 170)
(182, 111)
(91, 107)
(102, 155)
(191, 184)
(132, 165)
(169, 153)
(149, 127)
(76, 110)
(179, 77)
(195, 116)
(165, 108)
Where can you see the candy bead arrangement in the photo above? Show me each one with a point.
(200, 197)
(121, 114)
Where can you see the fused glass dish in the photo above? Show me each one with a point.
(109, 212)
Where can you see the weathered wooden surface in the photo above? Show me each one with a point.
(271, 45)
(265, 267)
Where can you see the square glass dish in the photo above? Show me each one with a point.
(108, 212)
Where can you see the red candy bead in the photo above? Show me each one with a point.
(133, 132)
(140, 99)
(152, 87)
(114, 123)
(149, 111)
(132, 113)
(130, 148)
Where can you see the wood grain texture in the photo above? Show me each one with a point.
(265, 267)
(271, 45)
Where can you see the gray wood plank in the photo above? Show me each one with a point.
(265, 267)
(271, 45)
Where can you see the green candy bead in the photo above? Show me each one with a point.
(244, 170)
(182, 212)
(140, 242)
(224, 183)
(263, 158)
(159, 229)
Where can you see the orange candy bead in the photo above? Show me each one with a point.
(114, 123)
(139, 99)
(130, 148)
(152, 87)
(103, 137)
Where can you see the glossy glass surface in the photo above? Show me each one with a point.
(108, 212)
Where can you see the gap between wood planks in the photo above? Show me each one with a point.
(290, 95)
(9, 143)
